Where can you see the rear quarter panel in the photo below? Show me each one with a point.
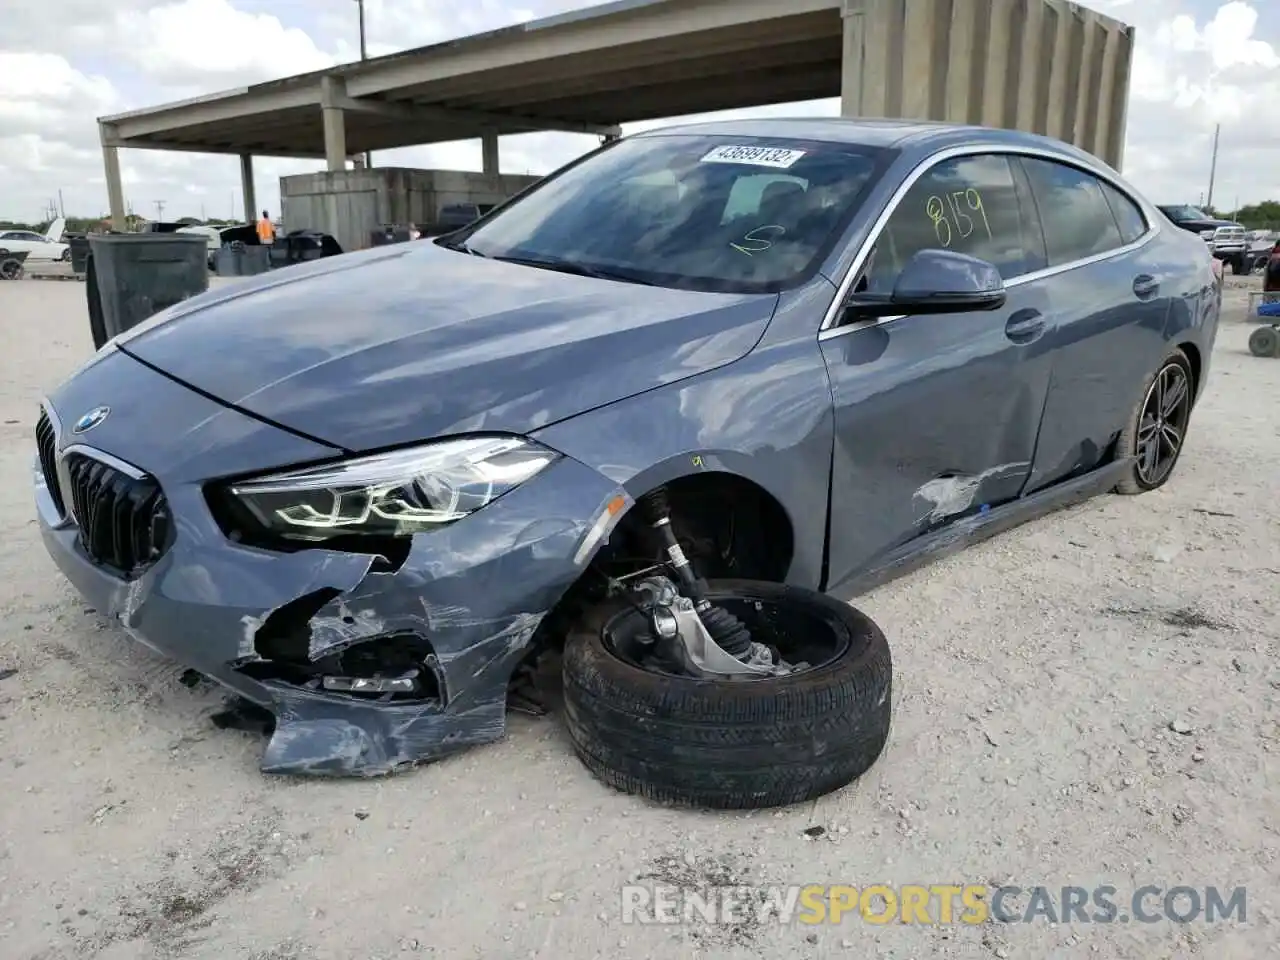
(1196, 301)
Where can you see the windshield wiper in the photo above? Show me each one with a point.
(561, 265)
(461, 247)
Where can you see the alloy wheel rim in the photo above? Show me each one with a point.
(1162, 424)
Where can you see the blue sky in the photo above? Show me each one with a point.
(1198, 62)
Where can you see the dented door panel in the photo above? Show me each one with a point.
(935, 417)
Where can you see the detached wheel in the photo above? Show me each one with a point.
(1265, 342)
(1158, 426)
(738, 744)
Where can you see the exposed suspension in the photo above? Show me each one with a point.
(729, 633)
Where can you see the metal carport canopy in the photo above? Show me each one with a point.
(585, 71)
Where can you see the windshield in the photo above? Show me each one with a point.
(716, 213)
(1186, 213)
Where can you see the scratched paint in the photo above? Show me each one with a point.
(952, 495)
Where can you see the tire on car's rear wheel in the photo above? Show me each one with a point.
(1134, 440)
(732, 744)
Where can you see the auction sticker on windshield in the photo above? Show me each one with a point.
(754, 156)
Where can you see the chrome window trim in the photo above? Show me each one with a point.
(828, 330)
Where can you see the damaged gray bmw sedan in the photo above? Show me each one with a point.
(652, 412)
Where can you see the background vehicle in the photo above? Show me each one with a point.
(34, 245)
(1228, 240)
(161, 226)
(1261, 244)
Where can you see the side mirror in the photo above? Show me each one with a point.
(937, 281)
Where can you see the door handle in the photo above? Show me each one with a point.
(1024, 326)
(1145, 286)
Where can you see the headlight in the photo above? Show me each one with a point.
(392, 494)
(1208, 234)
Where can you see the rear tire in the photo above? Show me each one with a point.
(1237, 265)
(1175, 366)
(731, 745)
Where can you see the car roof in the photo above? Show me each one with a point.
(909, 136)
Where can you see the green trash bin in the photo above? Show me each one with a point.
(132, 276)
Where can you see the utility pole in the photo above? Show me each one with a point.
(1213, 164)
(62, 207)
(159, 210)
(364, 55)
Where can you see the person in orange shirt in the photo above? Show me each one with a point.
(266, 231)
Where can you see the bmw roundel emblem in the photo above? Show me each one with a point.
(91, 419)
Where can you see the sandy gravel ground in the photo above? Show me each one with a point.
(1039, 681)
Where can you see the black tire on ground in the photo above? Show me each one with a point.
(731, 745)
(10, 269)
(1237, 265)
(1132, 484)
(1265, 342)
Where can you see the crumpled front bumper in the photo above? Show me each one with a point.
(475, 591)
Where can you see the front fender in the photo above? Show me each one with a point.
(766, 418)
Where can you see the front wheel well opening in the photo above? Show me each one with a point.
(728, 527)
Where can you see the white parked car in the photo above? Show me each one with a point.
(35, 246)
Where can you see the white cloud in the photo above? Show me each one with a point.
(1197, 63)
(213, 42)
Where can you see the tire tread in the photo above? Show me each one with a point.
(729, 745)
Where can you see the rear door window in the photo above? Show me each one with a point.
(1078, 222)
(967, 204)
(1128, 214)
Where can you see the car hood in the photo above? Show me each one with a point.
(384, 347)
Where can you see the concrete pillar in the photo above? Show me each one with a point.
(335, 129)
(489, 153)
(115, 185)
(246, 188)
(854, 18)
(1117, 95)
